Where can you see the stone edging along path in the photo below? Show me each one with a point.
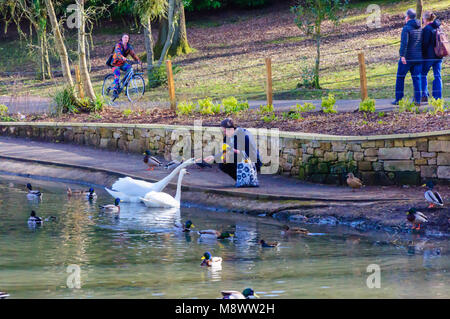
(379, 160)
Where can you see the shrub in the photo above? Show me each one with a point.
(438, 106)
(368, 105)
(65, 100)
(3, 110)
(266, 109)
(232, 105)
(407, 105)
(306, 77)
(206, 106)
(269, 117)
(127, 112)
(292, 115)
(307, 107)
(158, 75)
(185, 108)
(328, 104)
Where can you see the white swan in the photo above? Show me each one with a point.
(160, 199)
(131, 190)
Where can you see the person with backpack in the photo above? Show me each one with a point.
(410, 58)
(239, 144)
(118, 60)
(431, 59)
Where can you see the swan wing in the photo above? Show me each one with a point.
(159, 199)
(123, 197)
(132, 187)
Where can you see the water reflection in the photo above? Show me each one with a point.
(141, 255)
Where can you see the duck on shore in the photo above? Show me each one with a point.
(416, 218)
(151, 161)
(353, 182)
(433, 197)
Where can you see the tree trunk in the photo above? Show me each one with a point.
(46, 57)
(171, 23)
(317, 67)
(148, 40)
(85, 78)
(419, 9)
(180, 44)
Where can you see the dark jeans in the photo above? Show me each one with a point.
(437, 82)
(416, 70)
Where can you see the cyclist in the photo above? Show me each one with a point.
(121, 50)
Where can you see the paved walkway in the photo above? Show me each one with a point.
(273, 187)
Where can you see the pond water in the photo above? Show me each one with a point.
(139, 255)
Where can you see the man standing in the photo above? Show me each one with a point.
(410, 58)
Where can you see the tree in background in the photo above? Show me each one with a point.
(59, 43)
(173, 31)
(310, 14)
(419, 9)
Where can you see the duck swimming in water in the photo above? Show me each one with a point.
(33, 194)
(433, 197)
(186, 228)
(294, 230)
(416, 218)
(111, 208)
(151, 161)
(4, 295)
(215, 234)
(246, 294)
(265, 244)
(209, 261)
(33, 219)
(90, 194)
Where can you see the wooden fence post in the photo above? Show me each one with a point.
(362, 76)
(173, 103)
(78, 80)
(269, 81)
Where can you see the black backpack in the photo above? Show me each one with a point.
(110, 59)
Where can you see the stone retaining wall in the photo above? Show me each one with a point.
(378, 160)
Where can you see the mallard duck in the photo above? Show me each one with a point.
(246, 294)
(173, 163)
(33, 193)
(433, 197)
(111, 208)
(209, 261)
(215, 234)
(186, 228)
(151, 161)
(131, 190)
(33, 219)
(3, 295)
(294, 230)
(161, 199)
(416, 218)
(90, 194)
(265, 244)
(353, 181)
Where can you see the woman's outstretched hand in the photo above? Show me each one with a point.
(208, 159)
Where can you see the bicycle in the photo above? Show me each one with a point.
(133, 83)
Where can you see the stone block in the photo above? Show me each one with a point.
(398, 143)
(409, 143)
(330, 156)
(432, 161)
(318, 152)
(399, 166)
(371, 152)
(395, 153)
(443, 159)
(379, 143)
(407, 178)
(370, 158)
(389, 143)
(421, 161)
(428, 171)
(364, 166)
(439, 146)
(427, 154)
(325, 146)
(422, 145)
(358, 156)
(368, 144)
(443, 172)
(338, 146)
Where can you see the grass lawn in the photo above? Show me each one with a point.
(230, 53)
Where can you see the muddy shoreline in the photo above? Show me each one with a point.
(385, 216)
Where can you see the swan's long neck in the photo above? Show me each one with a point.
(159, 186)
(178, 193)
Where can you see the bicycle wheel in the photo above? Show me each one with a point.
(108, 88)
(135, 88)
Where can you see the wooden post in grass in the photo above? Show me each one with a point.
(79, 84)
(362, 76)
(173, 103)
(269, 81)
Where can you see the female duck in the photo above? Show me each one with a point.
(246, 294)
(294, 230)
(433, 197)
(160, 199)
(265, 244)
(90, 194)
(111, 208)
(214, 234)
(209, 261)
(33, 194)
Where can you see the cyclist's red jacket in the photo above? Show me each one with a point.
(120, 54)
